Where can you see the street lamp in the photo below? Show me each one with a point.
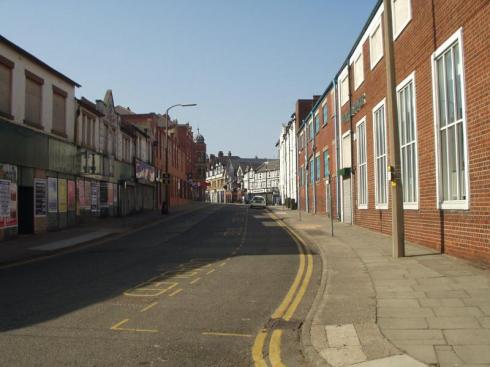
(166, 206)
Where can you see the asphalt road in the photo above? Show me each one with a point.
(222, 286)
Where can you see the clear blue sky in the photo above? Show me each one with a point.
(243, 62)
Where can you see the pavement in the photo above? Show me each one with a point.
(29, 247)
(426, 309)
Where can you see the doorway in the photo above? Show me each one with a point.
(26, 209)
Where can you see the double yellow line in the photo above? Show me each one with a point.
(286, 309)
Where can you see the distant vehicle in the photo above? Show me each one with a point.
(258, 202)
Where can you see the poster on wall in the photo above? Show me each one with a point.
(62, 198)
(71, 194)
(88, 192)
(11, 220)
(104, 194)
(115, 194)
(40, 197)
(110, 194)
(81, 193)
(94, 202)
(52, 195)
(4, 198)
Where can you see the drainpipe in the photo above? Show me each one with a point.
(337, 148)
(353, 171)
(308, 168)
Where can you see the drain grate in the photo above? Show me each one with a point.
(273, 324)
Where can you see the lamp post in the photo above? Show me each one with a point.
(166, 206)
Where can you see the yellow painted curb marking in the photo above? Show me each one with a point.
(211, 271)
(257, 348)
(275, 349)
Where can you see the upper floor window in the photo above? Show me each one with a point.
(344, 90)
(376, 45)
(402, 14)
(6, 67)
(325, 113)
(358, 71)
(59, 111)
(311, 129)
(33, 99)
(312, 170)
(317, 123)
(450, 118)
(88, 130)
(408, 142)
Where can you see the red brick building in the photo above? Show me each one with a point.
(442, 65)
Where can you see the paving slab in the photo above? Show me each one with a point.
(69, 242)
(473, 353)
(394, 361)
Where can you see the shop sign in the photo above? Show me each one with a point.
(355, 108)
(71, 195)
(40, 197)
(62, 196)
(11, 220)
(144, 171)
(52, 195)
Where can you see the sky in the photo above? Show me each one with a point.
(244, 62)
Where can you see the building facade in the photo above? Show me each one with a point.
(440, 66)
(286, 147)
(264, 181)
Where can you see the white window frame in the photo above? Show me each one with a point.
(414, 205)
(343, 76)
(450, 204)
(366, 185)
(403, 25)
(375, 62)
(376, 108)
(358, 77)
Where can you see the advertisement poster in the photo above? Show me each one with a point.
(81, 194)
(110, 194)
(4, 198)
(40, 197)
(88, 191)
(94, 202)
(104, 194)
(52, 195)
(62, 202)
(11, 220)
(115, 194)
(71, 194)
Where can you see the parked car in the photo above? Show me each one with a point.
(258, 202)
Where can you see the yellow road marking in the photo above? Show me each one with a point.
(275, 349)
(195, 280)
(222, 264)
(151, 290)
(175, 292)
(117, 327)
(211, 271)
(289, 296)
(302, 289)
(257, 349)
(227, 334)
(149, 306)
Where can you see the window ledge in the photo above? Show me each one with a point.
(381, 206)
(34, 124)
(6, 115)
(59, 133)
(411, 206)
(455, 205)
(375, 62)
(362, 207)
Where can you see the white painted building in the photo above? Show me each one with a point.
(287, 162)
(263, 181)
